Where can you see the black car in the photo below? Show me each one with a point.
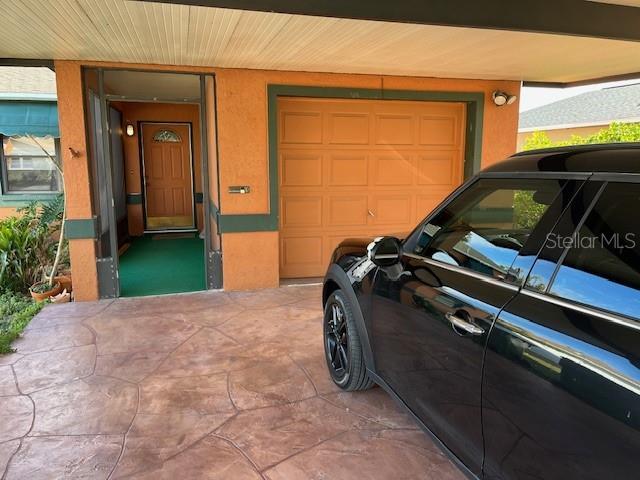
(508, 321)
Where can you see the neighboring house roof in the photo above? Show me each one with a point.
(27, 83)
(600, 107)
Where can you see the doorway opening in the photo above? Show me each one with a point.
(150, 157)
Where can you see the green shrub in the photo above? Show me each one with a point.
(16, 311)
(614, 133)
(28, 244)
(527, 211)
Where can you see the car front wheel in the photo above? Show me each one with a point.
(343, 350)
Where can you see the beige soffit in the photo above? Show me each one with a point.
(153, 33)
(629, 3)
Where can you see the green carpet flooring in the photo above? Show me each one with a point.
(155, 266)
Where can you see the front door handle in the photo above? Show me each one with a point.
(464, 325)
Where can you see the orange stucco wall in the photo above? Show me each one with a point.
(251, 259)
(243, 149)
(242, 122)
(6, 212)
(134, 112)
(76, 176)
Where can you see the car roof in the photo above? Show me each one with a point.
(600, 158)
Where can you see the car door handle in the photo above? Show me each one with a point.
(464, 325)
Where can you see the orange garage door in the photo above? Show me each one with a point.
(353, 168)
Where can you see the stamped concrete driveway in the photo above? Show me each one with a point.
(209, 385)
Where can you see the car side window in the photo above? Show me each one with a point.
(602, 265)
(485, 227)
(575, 203)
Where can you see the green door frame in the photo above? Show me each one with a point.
(269, 221)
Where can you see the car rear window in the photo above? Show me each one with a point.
(602, 264)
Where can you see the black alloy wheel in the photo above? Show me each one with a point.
(343, 350)
(336, 339)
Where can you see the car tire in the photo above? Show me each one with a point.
(343, 350)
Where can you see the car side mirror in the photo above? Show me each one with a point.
(385, 251)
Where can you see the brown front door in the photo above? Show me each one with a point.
(166, 149)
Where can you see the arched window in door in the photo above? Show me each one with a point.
(166, 136)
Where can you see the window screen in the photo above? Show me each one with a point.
(27, 168)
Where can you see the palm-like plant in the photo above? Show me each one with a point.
(26, 248)
(63, 216)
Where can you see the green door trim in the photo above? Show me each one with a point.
(269, 221)
(80, 228)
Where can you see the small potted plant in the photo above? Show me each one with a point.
(64, 277)
(41, 291)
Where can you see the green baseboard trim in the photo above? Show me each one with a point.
(76, 229)
(237, 223)
(22, 200)
(247, 223)
(134, 199)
